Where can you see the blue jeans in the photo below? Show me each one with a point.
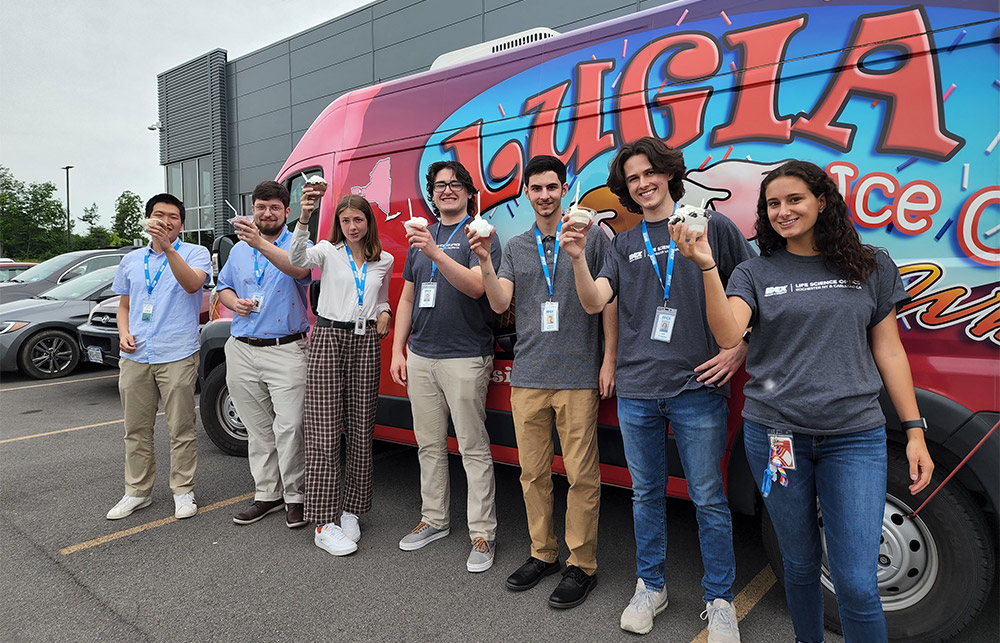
(847, 472)
(698, 421)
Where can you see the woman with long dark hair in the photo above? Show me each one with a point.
(342, 369)
(822, 306)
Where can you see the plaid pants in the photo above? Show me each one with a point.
(342, 377)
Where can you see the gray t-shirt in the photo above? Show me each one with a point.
(569, 358)
(457, 326)
(650, 369)
(810, 365)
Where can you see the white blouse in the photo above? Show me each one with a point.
(338, 295)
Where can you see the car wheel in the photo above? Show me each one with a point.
(219, 417)
(48, 354)
(935, 570)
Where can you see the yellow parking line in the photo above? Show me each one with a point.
(82, 379)
(748, 598)
(75, 428)
(149, 525)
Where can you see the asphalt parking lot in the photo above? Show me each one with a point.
(68, 574)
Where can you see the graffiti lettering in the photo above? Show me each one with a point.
(948, 307)
(910, 209)
(968, 226)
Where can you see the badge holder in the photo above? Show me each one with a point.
(663, 324)
(147, 311)
(550, 316)
(258, 301)
(428, 294)
(359, 324)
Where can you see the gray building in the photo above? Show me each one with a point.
(226, 125)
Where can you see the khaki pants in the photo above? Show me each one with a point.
(267, 385)
(574, 412)
(437, 387)
(141, 387)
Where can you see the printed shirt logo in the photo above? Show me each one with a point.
(776, 290)
(635, 256)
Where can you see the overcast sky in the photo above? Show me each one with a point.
(78, 81)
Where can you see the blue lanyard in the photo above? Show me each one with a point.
(152, 284)
(257, 270)
(555, 256)
(359, 283)
(652, 257)
(437, 233)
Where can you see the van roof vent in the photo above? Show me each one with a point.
(493, 47)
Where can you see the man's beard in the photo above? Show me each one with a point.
(270, 228)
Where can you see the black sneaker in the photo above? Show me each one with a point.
(528, 574)
(572, 590)
(257, 510)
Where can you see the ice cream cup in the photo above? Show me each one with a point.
(413, 223)
(481, 226)
(317, 183)
(580, 216)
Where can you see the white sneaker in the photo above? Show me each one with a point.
(331, 538)
(723, 626)
(127, 505)
(184, 505)
(349, 525)
(645, 604)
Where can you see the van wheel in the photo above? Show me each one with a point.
(219, 417)
(935, 571)
(49, 354)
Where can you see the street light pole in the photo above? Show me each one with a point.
(68, 229)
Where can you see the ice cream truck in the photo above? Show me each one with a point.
(897, 101)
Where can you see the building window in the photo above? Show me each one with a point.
(191, 182)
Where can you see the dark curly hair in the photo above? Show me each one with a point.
(663, 159)
(834, 234)
(461, 175)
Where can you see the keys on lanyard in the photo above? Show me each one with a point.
(147, 307)
(359, 284)
(428, 289)
(774, 472)
(663, 320)
(550, 309)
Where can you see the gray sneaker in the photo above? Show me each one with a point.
(481, 556)
(723, 626)
(421, 535)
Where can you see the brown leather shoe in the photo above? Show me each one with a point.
(257, 510)
(293, 515)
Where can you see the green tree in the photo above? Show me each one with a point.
(32, 221)
(97, 235)
(128, 214)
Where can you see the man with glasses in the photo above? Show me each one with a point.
(445, 323)
(266, 355)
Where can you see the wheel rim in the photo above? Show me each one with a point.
(907, 558)
(52, 355)
(229, 418)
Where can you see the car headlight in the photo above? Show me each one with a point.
(11, 326)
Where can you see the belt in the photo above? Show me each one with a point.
(271, 341)
(323, 322)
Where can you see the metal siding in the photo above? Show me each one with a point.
(330, 51)
(263, 75)
(424, 18)
(271, 150)
(390, 61)
(261, 55)
(266, 100)
(349, 73)
(265, 126)
(360, 19)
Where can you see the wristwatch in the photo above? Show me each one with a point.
(919, 423)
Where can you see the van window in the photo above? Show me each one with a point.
(295, 185)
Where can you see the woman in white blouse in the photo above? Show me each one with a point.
(343, 365)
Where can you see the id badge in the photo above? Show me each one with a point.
(258, 301)
(359, 325)
(782, 448)
(663, 324)
(550, 316)
(147, 311)
(428, 294)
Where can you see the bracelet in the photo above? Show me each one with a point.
(714, 265)
(919, 423)
(303, 223)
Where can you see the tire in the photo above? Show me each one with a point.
(935, 571)
(219, 417)
(49, 354)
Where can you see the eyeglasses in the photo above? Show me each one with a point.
(275, 209)
(455, 186)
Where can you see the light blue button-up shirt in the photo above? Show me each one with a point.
(285, 307)
(172, 332)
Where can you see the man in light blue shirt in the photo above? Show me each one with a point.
(161, 297)
(266, 355)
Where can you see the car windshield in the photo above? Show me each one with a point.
(47, 268)
(83, 285)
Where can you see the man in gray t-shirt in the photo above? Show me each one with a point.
(670, 372)
(444, 322)
(558, 375)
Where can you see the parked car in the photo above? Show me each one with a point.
(38, 336)
(11, 269)
(58, 270)
(99, 335)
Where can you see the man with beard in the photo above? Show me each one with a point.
(266, 356)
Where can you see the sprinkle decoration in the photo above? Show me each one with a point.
(958, 39)
(732, 64)
(993, 143)
(705, 162)
(748, 158)
(516, 203)
(624, 47)
(991, 231)
(965, 176)
(875, 102)
(617, 78)
(502, 113)
(889, 228)
(662, 85)
(906, 324)
(948, 93)
(593, 57)
(996, 83)
(944, 228)
(728, 152)
(905, 164)
(509, 210)
(726, 18)
(681, 19)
